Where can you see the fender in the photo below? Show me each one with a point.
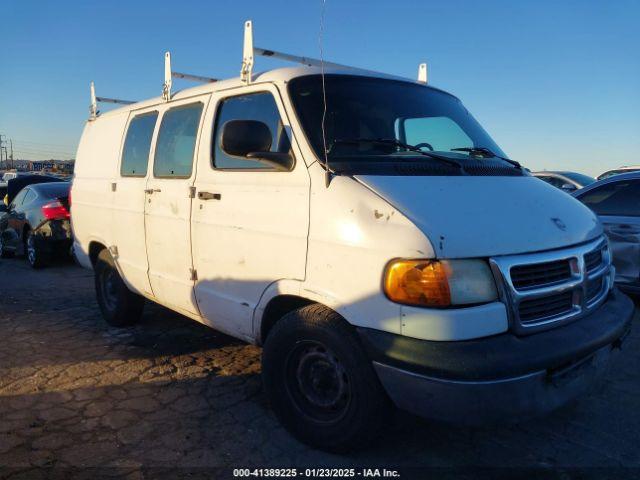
(314, 294)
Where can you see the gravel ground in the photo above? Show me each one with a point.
(170, 397)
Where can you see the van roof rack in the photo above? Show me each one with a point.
(93, 108)
(249, 52)
(169, 74)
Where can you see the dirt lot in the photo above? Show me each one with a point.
(171, 396)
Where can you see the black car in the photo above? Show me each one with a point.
(37, 223)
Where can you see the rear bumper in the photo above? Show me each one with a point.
(54, 234)
(493, 379)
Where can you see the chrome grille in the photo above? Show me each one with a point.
(593, 260)
(549, 288)
(594, 287)
(533, 309)
(537, 274)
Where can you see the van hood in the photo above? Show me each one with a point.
(487, 216)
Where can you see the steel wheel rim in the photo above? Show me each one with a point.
(108, 287)
(317, 382)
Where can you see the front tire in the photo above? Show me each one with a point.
(320, 383)
(120, 306)
(4, 253)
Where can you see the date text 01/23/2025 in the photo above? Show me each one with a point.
(316, 472)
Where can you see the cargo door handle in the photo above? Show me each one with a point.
(209, 196)
(152, 190)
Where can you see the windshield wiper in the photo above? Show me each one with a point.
(396, 143)
(487, 153)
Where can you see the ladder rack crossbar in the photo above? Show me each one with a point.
(193, 78)
(114, 100)
(311, 62)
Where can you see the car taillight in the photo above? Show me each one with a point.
(55, 211)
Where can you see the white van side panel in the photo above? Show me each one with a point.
(254, 234)
(352, 237)
(128, 206)
(167, 222)
(95, 171)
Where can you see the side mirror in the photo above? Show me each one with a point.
(251, 140)
(567, 187)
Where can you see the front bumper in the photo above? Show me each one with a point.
(501, 377)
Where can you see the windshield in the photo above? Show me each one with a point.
(362, 108)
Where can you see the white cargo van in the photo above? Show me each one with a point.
(365, 230)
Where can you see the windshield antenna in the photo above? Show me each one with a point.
(324, 99)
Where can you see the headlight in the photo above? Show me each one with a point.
(439, 283)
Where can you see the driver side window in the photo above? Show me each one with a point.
(256, 106)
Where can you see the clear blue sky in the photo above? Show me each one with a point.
(556, 83)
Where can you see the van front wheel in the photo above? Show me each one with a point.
(320, 383)
(119, 305)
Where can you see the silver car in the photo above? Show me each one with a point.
(616, 201)
(566, 181)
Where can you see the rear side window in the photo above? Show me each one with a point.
(17, 201)
(176, 142)
(257, 106)
(135, 156)
(29, 197)
(617, 199)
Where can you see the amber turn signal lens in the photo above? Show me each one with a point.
(417, 282)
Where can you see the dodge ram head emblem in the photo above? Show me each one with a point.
(559, 223)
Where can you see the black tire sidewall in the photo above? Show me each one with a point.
(128, 308)
(368, 405)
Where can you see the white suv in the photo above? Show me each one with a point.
(381, 248)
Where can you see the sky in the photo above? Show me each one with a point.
(555, 83)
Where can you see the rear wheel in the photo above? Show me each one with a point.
(320, 383)
(35, 255)
(119, 305)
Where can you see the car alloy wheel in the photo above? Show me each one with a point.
(32, 254)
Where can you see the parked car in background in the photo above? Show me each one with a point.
(618, 171)
(11, 175)
(567, 181)
(616, 200)
(15, 184)
(37, 224)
